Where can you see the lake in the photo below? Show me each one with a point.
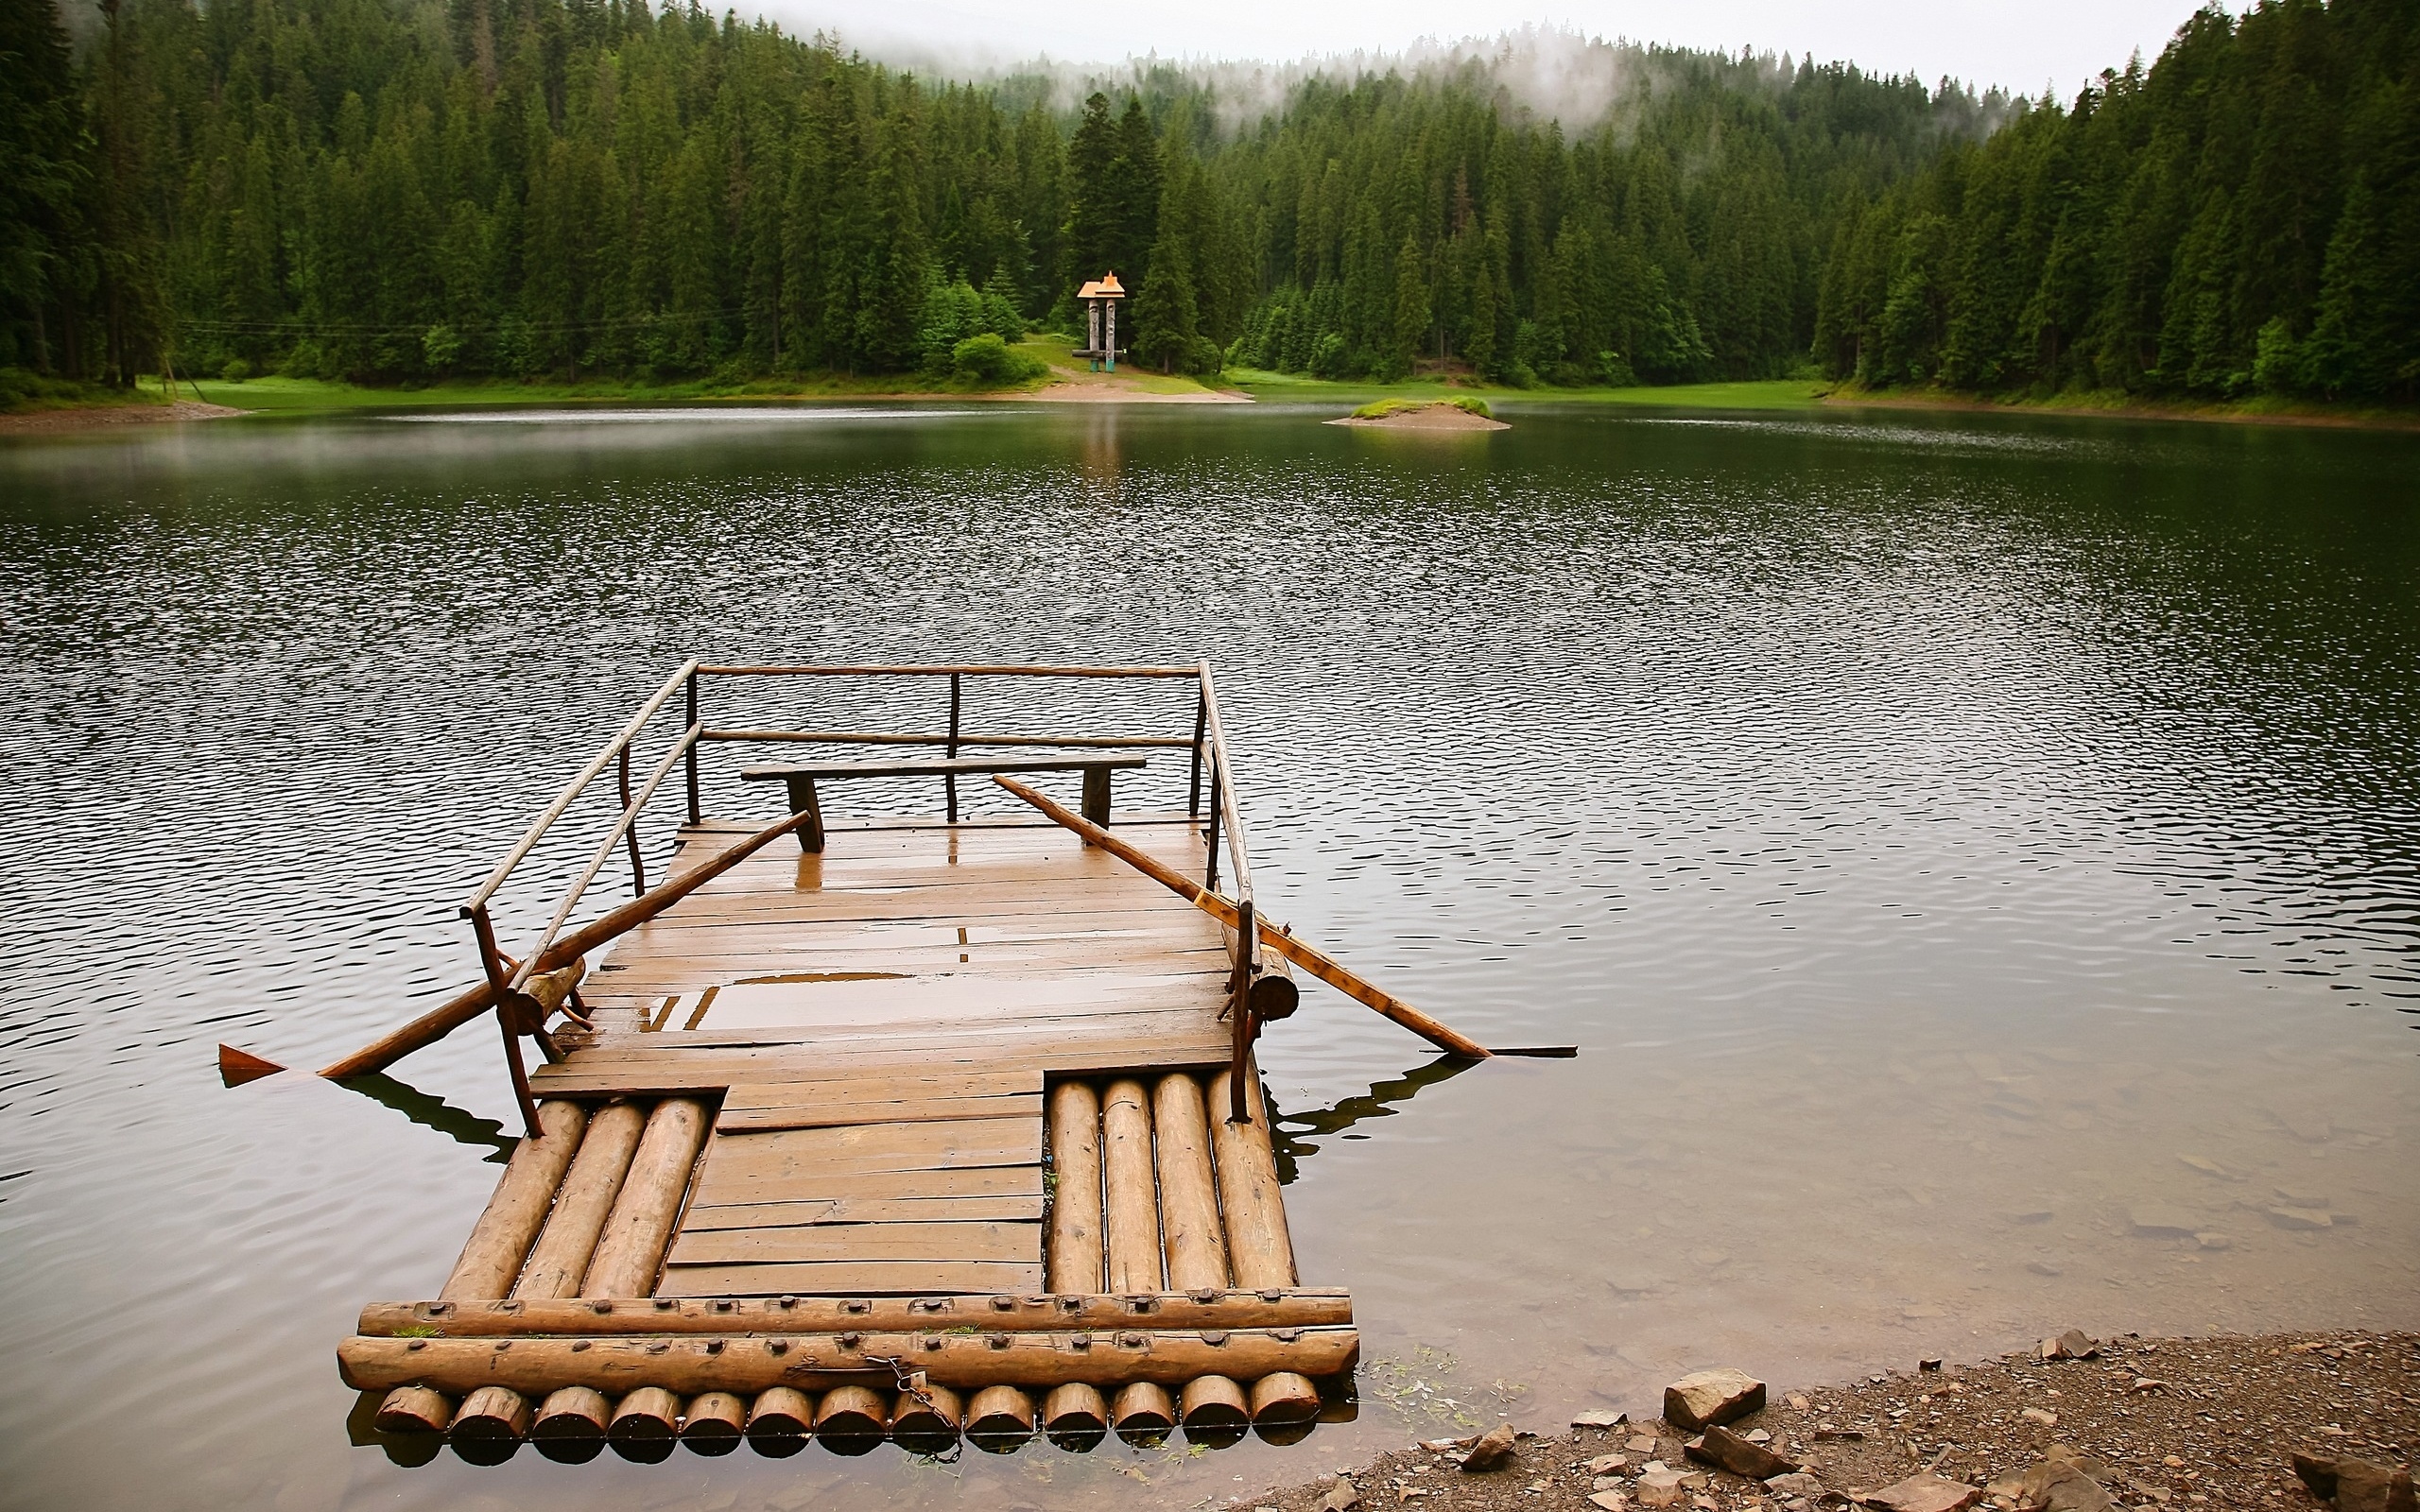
(1949, 838)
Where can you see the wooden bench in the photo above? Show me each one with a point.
(802, 777)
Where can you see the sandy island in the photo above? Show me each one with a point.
(1441, 416)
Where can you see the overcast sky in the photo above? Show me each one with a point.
(2021, 47)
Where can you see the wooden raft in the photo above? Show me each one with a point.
(915, 1137)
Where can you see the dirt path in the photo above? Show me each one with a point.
(2181, 1423)
(63, 421)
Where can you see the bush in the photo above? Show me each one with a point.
(988, 359)
(236, 370)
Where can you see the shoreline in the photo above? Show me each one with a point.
(2183, 1422)
(1953, 404)
(104, 416)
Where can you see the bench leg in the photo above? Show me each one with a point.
(1096, 794)
(810, 834)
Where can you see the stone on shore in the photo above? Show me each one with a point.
(1340, 1497)
(2072, 1345)
(1659, 1487)
(2054, 1485)
(1493, 1452)
(1922, 1493)
(1726, 1451)
(2161, 1220)
(2356, 1484)
(1707, 1397)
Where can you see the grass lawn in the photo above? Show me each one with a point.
(1781, 393)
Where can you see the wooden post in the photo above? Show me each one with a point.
(1096, 794)
(573, 1415)
(949, 783)
(556, 1267)
(1197, 1254)
(491, 960)
(1075, 1417)
(1200, 719)
(697, 815)
(924, 1420)
(492, 1414)
(631, 1249)
(851, 1419)
(638, 862)
(1258, 1246)
(414, 1410)
(1317, 963)
(780, 1420)
(1133, 1204)
(1074, 1252)
(1213, 1409)
(1210, 840)
(999, 1420)
(713, 1423)
(1142, 1415)
(1239, 1022)
(502, 1237)
(803, 801)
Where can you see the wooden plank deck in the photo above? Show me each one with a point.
(880, 1018)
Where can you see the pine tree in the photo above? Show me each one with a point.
(1411, 309)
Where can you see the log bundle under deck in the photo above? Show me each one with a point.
(921, 1135)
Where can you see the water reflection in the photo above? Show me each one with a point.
(1378, 1102)
(458, 1125)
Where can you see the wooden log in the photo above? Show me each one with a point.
(414, 1410)
(1132, 1202)
(1073, 1261)
(1258, 1246)
(1213, 1409)
(1142, 1415)
(491, 1413)
(1189, 1231)
(1289, 1307)
(1326, 968)
(644, 1416)
(963, 1362)
(1284, 1399)
(924, 1420)
(999, 1420)
(556, 1266)
(851, 1419)
(713, 1423)
(631, 1249)
(573, 1415)
(1075, 1416)
(780, 1413)
(1274, 994)
(502, 1237)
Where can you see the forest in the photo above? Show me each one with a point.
(396, 190)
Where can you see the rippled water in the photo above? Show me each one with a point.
(1931, 829)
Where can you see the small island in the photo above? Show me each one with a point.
(1425, 415)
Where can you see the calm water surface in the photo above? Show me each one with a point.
(1933, 830)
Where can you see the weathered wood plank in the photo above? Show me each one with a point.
(852, 1278)
(1019, 1242)
(845, 1111)
(813, 1186)
(909, 1207)
(903, 1088)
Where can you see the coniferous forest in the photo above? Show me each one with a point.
(400, 190)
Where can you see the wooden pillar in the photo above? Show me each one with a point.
(631, 1249)
(926, 1420)
(1075, 1253)
(561, 1259)
(851, 1419)
(1096, 794)
(1258, 1248)
(1196, 1251)
(999, 1420)
(1075, 1417)
(803, 801)
(1133, 1204)
(518, 1207)
(713, 1423)
(1142, 1415)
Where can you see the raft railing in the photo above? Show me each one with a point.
(525, 993)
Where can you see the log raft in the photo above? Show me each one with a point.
(921, 1138)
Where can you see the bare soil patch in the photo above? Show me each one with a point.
(61, 421)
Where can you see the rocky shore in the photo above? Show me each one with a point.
(2076, 1425)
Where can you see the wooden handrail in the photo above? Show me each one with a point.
(604, 852)
(572, 790)
(872, 737)
(1223, 792)
(1326, 968)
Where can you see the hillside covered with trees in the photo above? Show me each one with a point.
(397, 190)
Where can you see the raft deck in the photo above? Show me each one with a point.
(919, 1127)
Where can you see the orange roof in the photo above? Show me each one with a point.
(1106, 287)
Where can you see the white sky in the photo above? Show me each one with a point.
(2022, 47)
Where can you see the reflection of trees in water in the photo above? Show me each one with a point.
(458, 1125)
(1289, 1129)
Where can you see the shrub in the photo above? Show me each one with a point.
(987, 359)
(236, 370)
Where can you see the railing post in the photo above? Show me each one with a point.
(1210, 868)
(1247, 943)
(638, 862)
(697, 815)
(950, 782)
(492, 962)
(1201, 723)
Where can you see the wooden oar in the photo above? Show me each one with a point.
(1317, 963)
